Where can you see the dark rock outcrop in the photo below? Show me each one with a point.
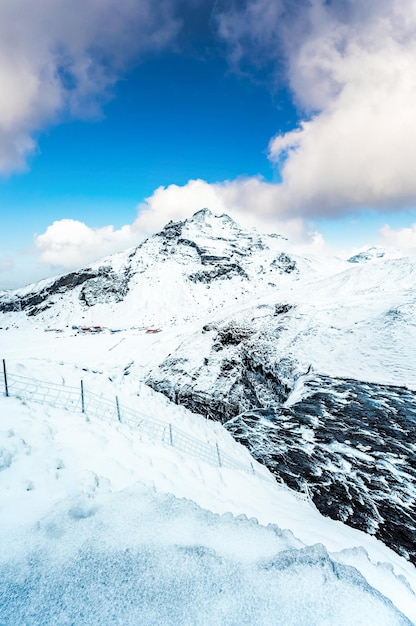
(353, 442)
(102, 285)
(355, 445)
(40, 300)
(105, 288)
(239, 371)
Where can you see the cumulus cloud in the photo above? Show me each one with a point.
(401, 238)
(350, 68)
(63, 57)
(69, 244)
(249, 201)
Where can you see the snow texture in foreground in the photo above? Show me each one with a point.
(83, 541)
(137, 557)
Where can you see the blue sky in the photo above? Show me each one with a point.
(279, 113)
(171, 119)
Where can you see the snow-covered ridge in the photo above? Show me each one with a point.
(374, 253)
(188, 260)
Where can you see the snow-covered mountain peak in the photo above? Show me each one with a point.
(208, 218)
(223, 227)
(375, 253)
(205, 219)
(212, 236)
(175, 275)
(208, 265)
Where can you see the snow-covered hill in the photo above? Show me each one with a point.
(100, 525)
(308, 362)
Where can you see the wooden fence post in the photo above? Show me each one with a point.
(5, 378)
(82, 397)
(118, 409)
(218, 455)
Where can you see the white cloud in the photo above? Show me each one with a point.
(400, 238)
(64, 56)
(350, 67)
(251, 202)
(69, 244)
(178, 202)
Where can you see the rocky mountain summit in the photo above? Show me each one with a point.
(307, 361)
(177, 272)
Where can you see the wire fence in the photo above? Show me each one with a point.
(78, 399)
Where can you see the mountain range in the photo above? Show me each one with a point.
(307, 361)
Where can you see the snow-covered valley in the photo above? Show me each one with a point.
(308, 362)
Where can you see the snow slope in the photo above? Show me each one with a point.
(89, 535)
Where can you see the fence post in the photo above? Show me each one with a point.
(170, 435)
(254, 471)
(5, 378)
(118, 409)
(218, 455)
(307, 491)
(82, 397)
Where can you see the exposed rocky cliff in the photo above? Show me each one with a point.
(353, 442)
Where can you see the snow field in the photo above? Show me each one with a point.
(61, 472)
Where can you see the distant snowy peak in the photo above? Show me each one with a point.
(374, 253)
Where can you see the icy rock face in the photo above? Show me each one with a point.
(284, 263)
(107, 287)
(230, 367)
(41, 298)
(354, 443)
(100, 285)
(218, 245)
(199, 239)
